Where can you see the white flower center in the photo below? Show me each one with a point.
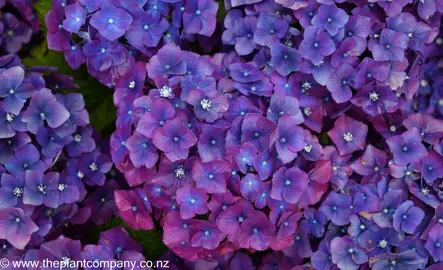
(373, 96)
(18, 192)
(348, 137)
(77, 138)
(93, 167)
(383, 243)
(41, 188)
(61, 187)
(308, 148)
(179, 172)
(11, 91)
(165, 91)
(9, 117)
(206, 104)
(307, 111)
(131, 84)
(80, 175)
(393, 128)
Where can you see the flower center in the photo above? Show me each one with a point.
(348, 137)
(42, 116)
(307, 111)
(198, 12)
(9, 117)
(383, 243)
(61, 187)
(77, 138)
(206, 104)
(41, 188)
(80, 175)
(111, 21)
(308, 148)
(93, 167)
(11, 91)
(373, 96)
(165, 91)
(287, 182)
(131, 84)
(179, 172)
(18, 192)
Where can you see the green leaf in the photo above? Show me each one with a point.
(153, 247)
(42, 7)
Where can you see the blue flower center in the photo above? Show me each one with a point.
(249, 35)
(369, 75)
(210, 176)
(405, 148)
(281, 113)
(119, 249)
(282, 140)
(213, 142)
(329, 20)
(161, 123)
(387, 46)
(176, 139)
(255, 230)
(146, 27)
(350, 33)
(240, 219)
(111, 21)
(256, 135)
(134, 209)
(344, 82)
(285, 56)
(198, 12)
(316, 44)
(310, 14)
(271, 31)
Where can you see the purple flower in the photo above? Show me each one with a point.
(142, 151)
(392, 46)
(407, 217)
(93, 166)
(257, 130)
(251, 186)
(44, 107)
(340, 82)
(103, 54)
(375, 100)
(270, 29)
(330, 18)
(407, 147)
(256, 232)
(118, 241)
(168, 61)
(13, 91)
(337, 208)
(41, 189)
(25, 158)
(245, 72)
(16, 227)
(192, 201)
(159, 113)
(433, 243)
(174, 139)
(230, 220)
(208, 105)
(346, 253)
(199, 17)
(15, 33)
(288, 139)
(60, 249)
(348, 135)
(75, 18)
(432, 167)
(132, 210)
(82, 142)
(284, 105)
(111, 22)
(207, 235)
(316, 45)
(285, 59)
(52, 142)
(147, 31)
(289, 184)
(211, 176)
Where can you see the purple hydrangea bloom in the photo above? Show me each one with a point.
(349, 135)
(16, 227)
(407, 147)
(111, 22)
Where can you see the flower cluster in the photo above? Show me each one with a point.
(315, 130)
(109, 35)
(50, 159)
(18, 21)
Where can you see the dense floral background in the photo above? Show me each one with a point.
(257, 134)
